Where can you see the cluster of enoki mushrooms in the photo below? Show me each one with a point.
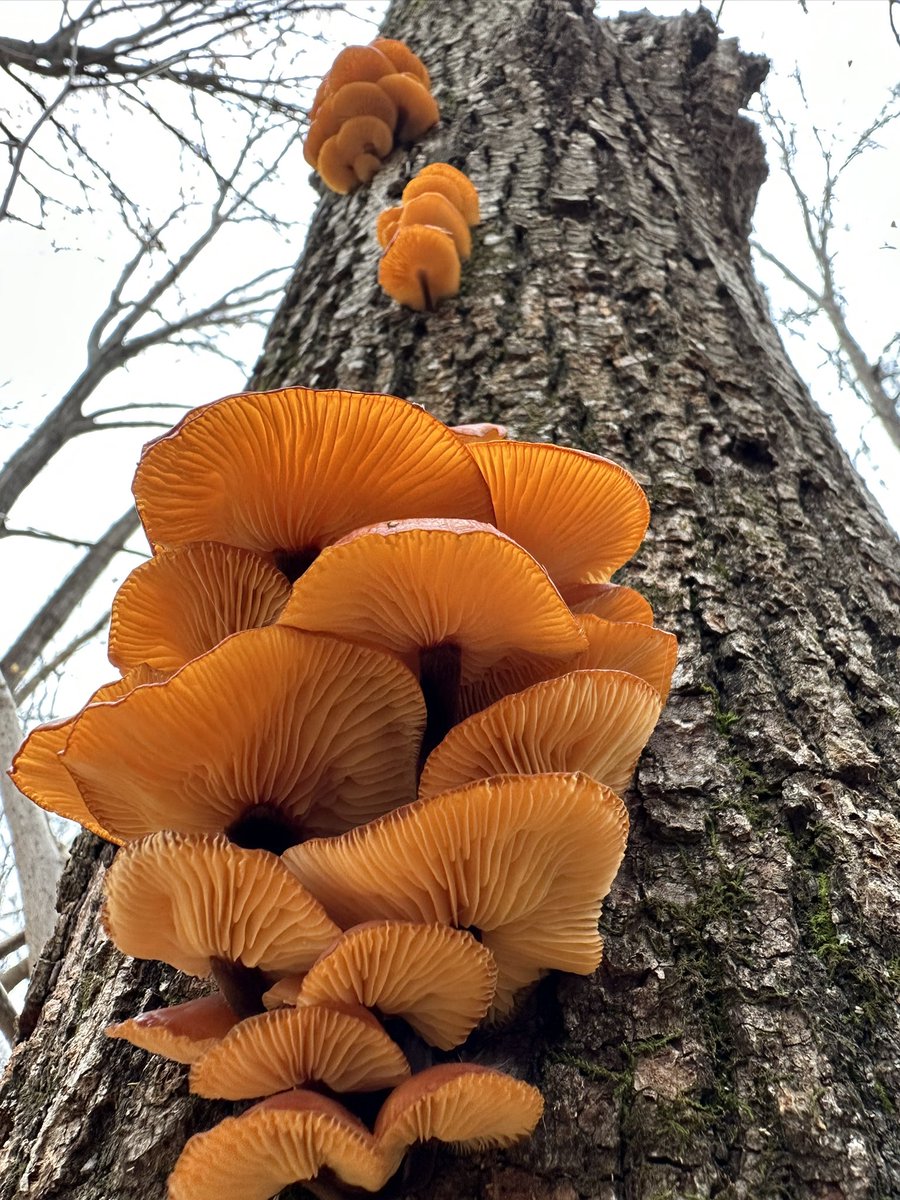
(377, 707)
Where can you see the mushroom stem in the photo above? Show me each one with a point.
(422, 276)
(440, 672)
(264, 827)
(293, 563)
(241, 986)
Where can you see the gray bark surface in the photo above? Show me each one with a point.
(741, 1039)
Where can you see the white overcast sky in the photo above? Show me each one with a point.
(50, 287)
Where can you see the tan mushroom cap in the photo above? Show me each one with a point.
(403, 58)
(431, 208)
(417, 109)
(420, 267)
(38, 770)
(186, 901)
(291, 471)
(482, 431)
(440, 980)
(409, 585)
(346, 1050)
(473, 1107)
(610, 601)
(596, 722)
(581, 516)
(467, 190)
(356, 136)
(387, 223)
(358, 63)
(641, 650)
(310, 731)
(283, 1140)
(524, 859)
(181, 1032)
(183, 602)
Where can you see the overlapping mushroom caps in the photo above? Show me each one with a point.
(426, 236)
(373, 98)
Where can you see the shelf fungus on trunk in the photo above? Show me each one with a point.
(525, 860)
(301, 736)
(286, 473)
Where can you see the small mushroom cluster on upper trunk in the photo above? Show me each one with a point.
(379, 699)
(373, 99)
(426, 236)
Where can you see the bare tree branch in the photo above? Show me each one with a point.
(8, 1018)
(11, 944)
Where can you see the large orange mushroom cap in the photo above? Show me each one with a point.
(358, 63)
(466, 188)
(38, 770)
(525, 859)
(420, 267)
(444, 185)
(403, 58)
(181, 1032)
(272, 736)
(473, 1107)
(630, 646)
(286, 1139)
(357, 136)
(345, 1049)
(581, 516)
(596, 722)
(191, 902)
(417, 109)
(183, 602)
(387, 223)
(288, 472)
(431, 208)
(611, 601)
(440, 980)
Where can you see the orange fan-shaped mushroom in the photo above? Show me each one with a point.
(431, 208)
(359, 99)
(466, 189)
(417, 109)
(403, 59)
(420, 267)
(358, 136)
(181, 1032)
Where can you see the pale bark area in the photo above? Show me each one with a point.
(39, 857)
(741, 1039)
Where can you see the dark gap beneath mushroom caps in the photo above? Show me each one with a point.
(440, 672)
(292, 563)
(265, 827)
(241, 986)
(422, 277)
(418, 1053)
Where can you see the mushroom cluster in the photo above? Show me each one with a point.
(374, 98)
(426, 235)
(378, 704)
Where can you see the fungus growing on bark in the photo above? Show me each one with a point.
(449, 598)
(608, 600)
(387, 223)
(524, 860)
(596, 722)
(357, 136)
(344, 1049)
(439, 980)
(468, 193)
(420, 267)
(403, 59)
(285, 473)
(292, 1138)
(207, 907)
(443, 185)
(273, 736)
(181, 1032)
(360, 99)
(417, 109)
(435, 210)
(182, 602)
(640, 649)
(358, 63)
(471, 1106)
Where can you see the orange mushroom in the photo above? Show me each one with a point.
(356, 137)
(358, 63)
(181, 1032)
(403, 59)
(420, 267)
(387, 223)
(357, 99)
(467, 191)
(442, 184)
(417, 109)
(608, 600)
(431, 208)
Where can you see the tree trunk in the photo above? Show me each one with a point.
(740, 1040)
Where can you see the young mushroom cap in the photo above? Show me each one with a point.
(611, 601)
(283, 1140)
(640, 649)
(440, 980)
(345, 1049)
(182, 602)
(403, 58)
(387, 223)
(366, 166)
(358, 63)
(363, 99)
(596, 722)
(442, 184)
(526, 860)
(325, 125)
(420, 267)
(431, 208)
(467, 190)
(470, 1106)
(581, 516)
(38, 771)
(188, 901)
(287, 472)
(417, 109)
(181, 1032)
(356, 136)
(300, 735)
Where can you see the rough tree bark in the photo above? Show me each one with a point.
(741, 1038)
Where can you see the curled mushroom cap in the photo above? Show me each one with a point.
(283, 1140)
(189, 901)
(444, 185)
(356, 136)
(431, 208)
(38, 770)
(526, 860)
(581, 516)
(417, 109)
(272, 736)
(596, 722)
(344, 1049)
(610, 601)
(473, 1107)
(181, 1032)
(288, 472)
(641, 650)
(420, 267)
(440, 980)
(403, 58)
(387, 223)
(182, 602)
(467, 190)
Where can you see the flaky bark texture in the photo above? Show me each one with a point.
(741, 1039)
